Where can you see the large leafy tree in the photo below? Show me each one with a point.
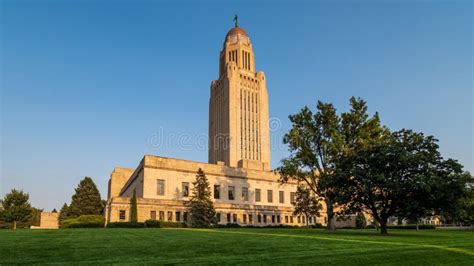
(86, 199)
(399, 174)
(316, 143)
(306, 204)
(201, 207)
(16, 207)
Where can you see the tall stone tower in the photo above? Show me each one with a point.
(238, 107)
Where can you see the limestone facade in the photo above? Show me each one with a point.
(238, 107)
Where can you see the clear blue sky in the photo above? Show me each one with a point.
(87, 85)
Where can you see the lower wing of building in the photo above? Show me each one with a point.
(164, 185)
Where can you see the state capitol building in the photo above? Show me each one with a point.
(244, 188)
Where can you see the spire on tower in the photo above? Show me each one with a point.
(236, 20)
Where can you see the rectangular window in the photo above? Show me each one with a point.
(244, 218)
(153, 215)
(122, 214)
(231, 193)
(273, 219)
(234, 217)
(178, 216)
(217, 191)
(185, 216)
(250, 219)
(278, 219)
(170, 216)
(258, 195)
(245, 194)
(270, 196)
(265, 218)
(281, 196)
(259, 218)
(160, 190)
(291, 219)
(286, 219)
(292, 197)
(299, 219)
(185, 189)
(218, 217)
(228, 218)
(162, 215)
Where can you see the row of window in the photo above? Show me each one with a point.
(264, 218)
(178, 216)
(231, 192)
(230, 218)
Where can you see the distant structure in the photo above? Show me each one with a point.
(244, 189)
(48, 220)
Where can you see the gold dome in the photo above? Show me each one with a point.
(237, 30)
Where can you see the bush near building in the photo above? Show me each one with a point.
(126, 225)
(84, 221)
(163, 224)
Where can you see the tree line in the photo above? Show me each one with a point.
(354, 164)
(16, 210)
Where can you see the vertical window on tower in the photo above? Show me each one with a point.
(250, 62)
(160, 190)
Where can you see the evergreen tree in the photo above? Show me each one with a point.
(200, 206)
(86, 200)
(134, 211)
(64, 213)
(15, 207)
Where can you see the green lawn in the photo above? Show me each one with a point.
(235, 246)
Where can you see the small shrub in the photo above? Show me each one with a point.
(125, 225)
(232, 225)
(163, 224)
(84, 221)
(317, 225)
(412, 226)
(152, 224)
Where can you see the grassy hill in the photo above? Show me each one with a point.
(235, 246)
